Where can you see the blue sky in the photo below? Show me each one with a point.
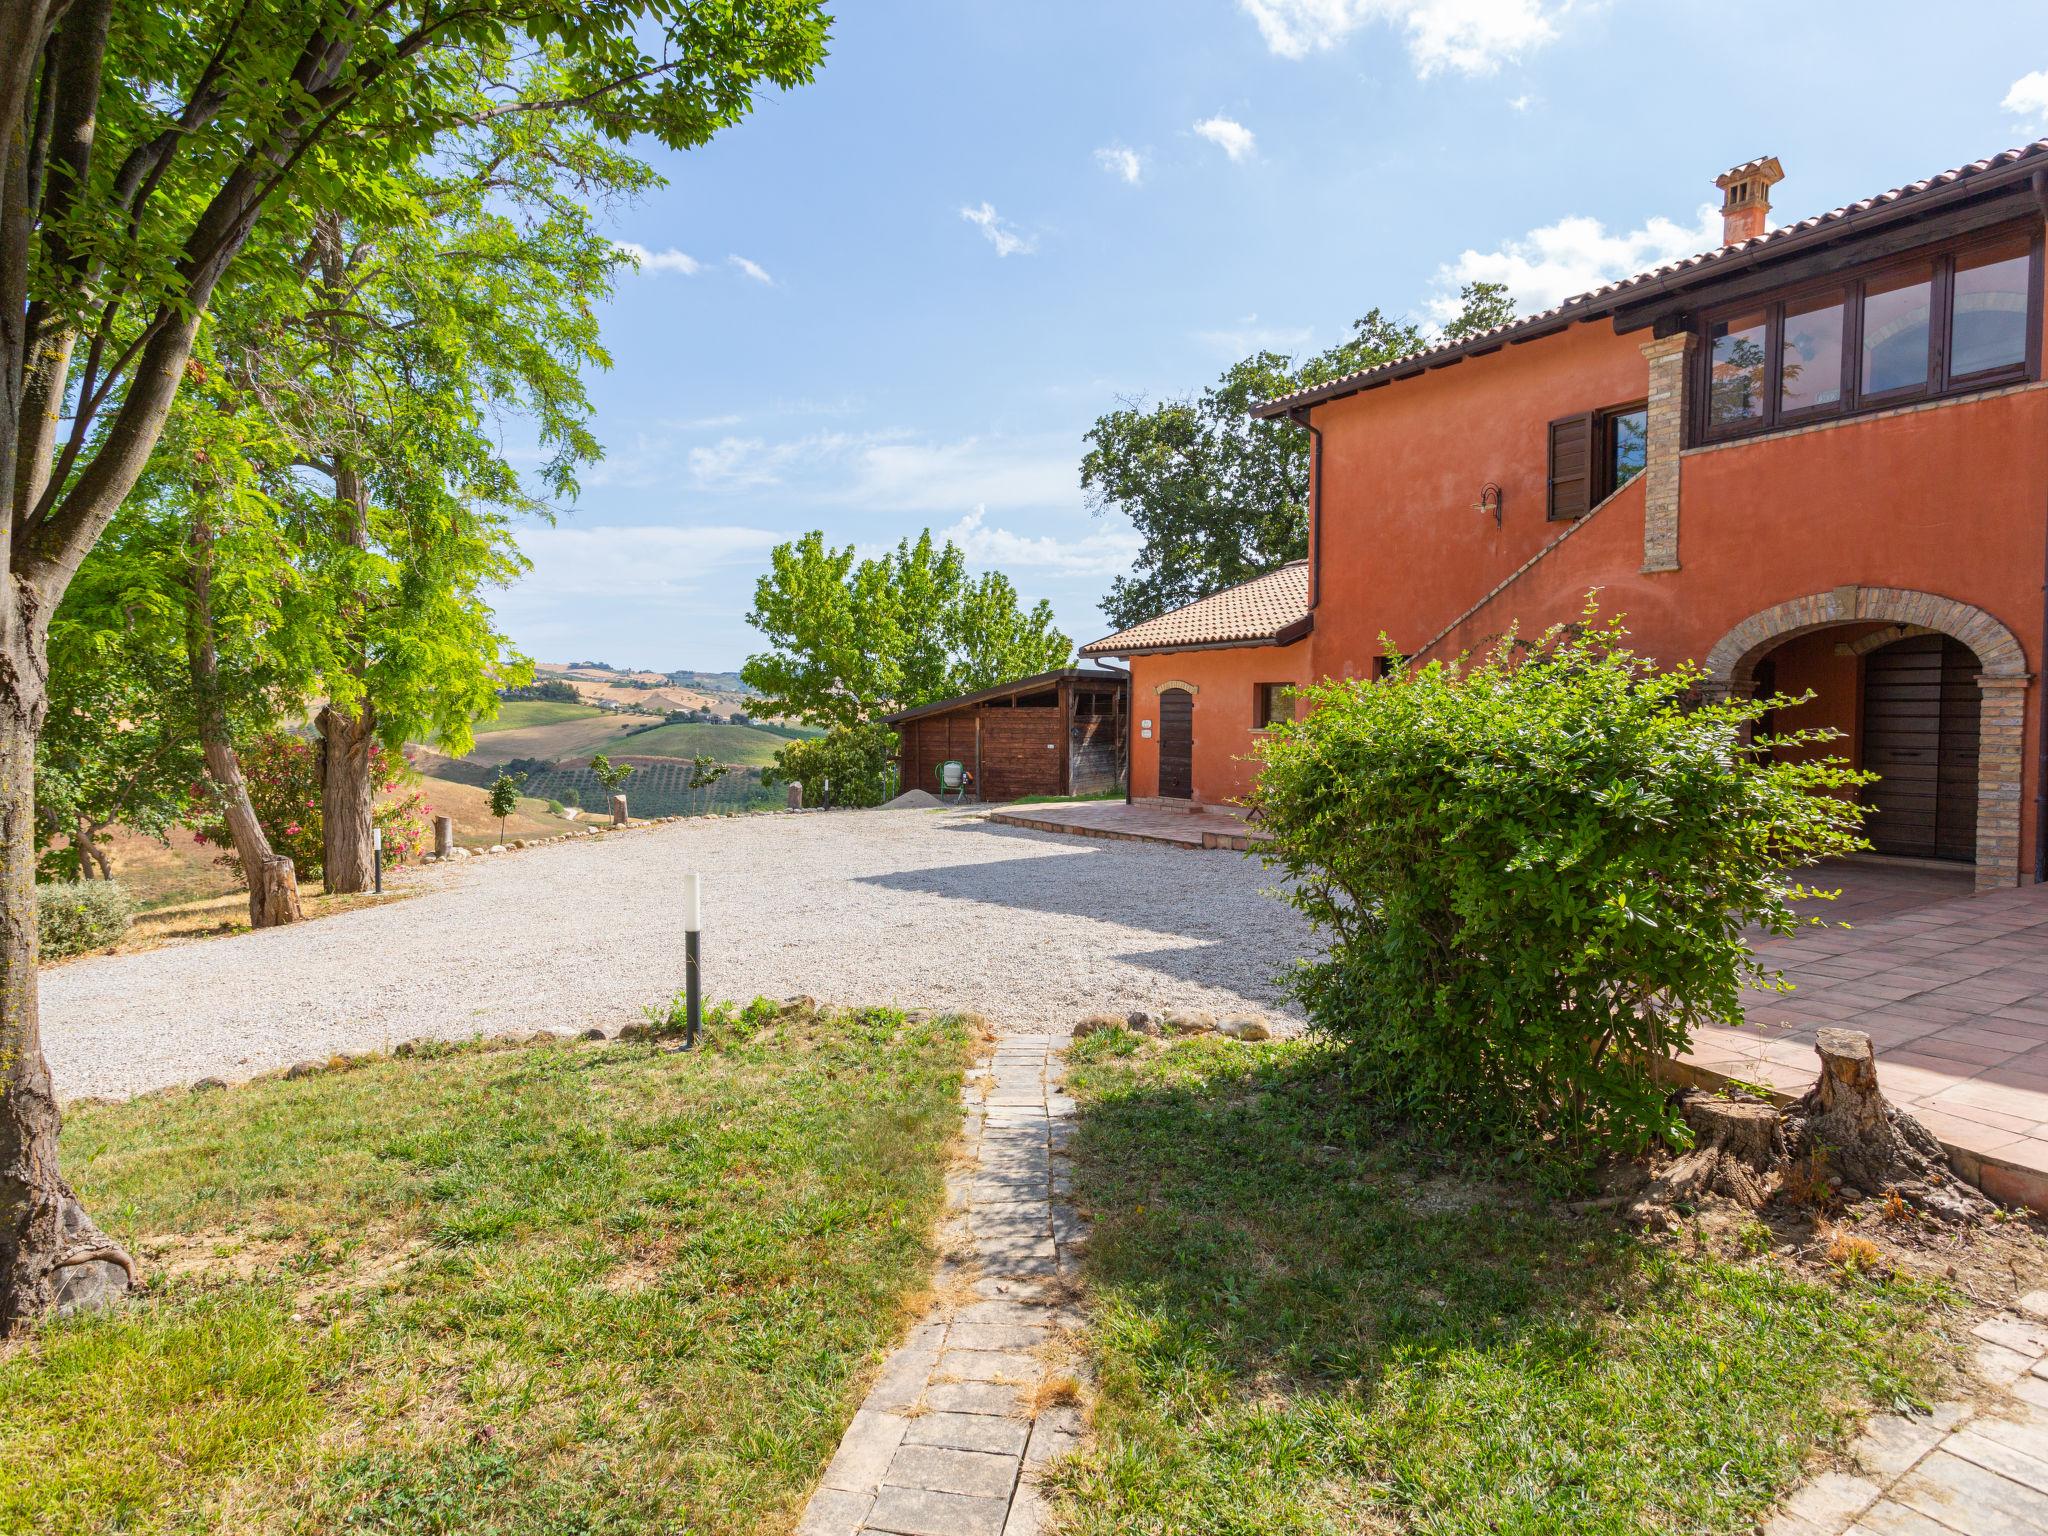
(897, 298)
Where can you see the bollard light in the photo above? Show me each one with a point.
(693, 922)
(377, 857)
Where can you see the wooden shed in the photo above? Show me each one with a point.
(1059, 733)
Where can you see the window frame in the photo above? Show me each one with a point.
(1851, 285)
(1262, 703)
(1604, 482)
(1598, 426)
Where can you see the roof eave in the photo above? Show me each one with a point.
(1296, 629)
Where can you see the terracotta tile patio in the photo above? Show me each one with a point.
(1951, 987)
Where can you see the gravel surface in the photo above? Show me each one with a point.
(913, 908)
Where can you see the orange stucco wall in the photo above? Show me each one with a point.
(1226, 693)
(1950, 499)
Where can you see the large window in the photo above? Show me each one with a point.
(1961, 317)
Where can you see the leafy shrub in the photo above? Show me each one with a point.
(1534, 876)
(74, 917)
(854, 758)
(283, 774)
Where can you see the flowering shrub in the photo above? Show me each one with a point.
(1533, 876)
(283, 775)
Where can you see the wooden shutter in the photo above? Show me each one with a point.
(1572, 453)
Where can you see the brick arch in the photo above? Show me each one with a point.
(1733, 660)
(2001, 744)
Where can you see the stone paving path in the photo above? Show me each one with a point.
(1967, 1469)
(954, 1437)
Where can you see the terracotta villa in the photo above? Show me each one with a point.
(1813, 458)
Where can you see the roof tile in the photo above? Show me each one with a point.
(1260, 609)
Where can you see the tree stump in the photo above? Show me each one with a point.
(1870, 1145)
(444, 836)
(618, 810)
(796, 797)
(1738, 1152)
(274, 893)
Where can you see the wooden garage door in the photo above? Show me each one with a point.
(1176, 744)
(1920, 709)
(1020, 752)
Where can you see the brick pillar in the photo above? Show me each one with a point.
(1667, 358)
(2001, 766)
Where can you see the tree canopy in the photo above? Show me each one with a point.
(1218, 495)
(851, 639)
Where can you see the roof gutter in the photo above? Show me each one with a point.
(1300, 417)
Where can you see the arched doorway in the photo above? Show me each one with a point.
(1928, 691)
(1176, 744)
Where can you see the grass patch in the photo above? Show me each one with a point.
(561, 1289)
(749, 746)
(1103, 794)
(1304, 1324)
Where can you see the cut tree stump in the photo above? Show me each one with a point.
(619, 817)
(274, 893)
(1738, 1151)
(1871, 1146)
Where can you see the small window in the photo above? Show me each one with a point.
(1270, 705)
(1626, 433)
(1735, 387)
(1988, 320)
(1898, 324)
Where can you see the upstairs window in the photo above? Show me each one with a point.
(1595, 454)
(1960, 317)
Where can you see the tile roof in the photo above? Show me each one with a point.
(1271, 609)
(2002, 168)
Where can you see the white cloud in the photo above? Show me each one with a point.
(1248, 336)
(670, 260)
(975, 471)
(1007, 240)
(1473, 37)
(1233, 138)
(1550, 264)
(753, 269)
(1121, 160)
(1521, 103)
(625, 561)
(748, 463)
(1104, 551)
(2029, 96)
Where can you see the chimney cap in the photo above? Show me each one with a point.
(1760, 174)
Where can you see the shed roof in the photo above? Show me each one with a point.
(1098, 675)
(1267, 610)
(1917, 197)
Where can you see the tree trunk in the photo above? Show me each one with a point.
(273, 883)
(1871, 1146)
(1738, 1151)
(51, 1254)
(348, 798)
(92, 858)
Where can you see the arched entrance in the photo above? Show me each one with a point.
(1931, 693)
(1176, 744)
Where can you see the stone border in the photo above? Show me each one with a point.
(2001, 732)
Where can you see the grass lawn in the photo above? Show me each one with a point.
(1304, 1324)
(1102, 794)
(560, 1289)
(517, 714)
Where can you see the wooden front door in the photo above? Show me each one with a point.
(1920, 713)
(1176, 744)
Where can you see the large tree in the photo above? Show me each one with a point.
(144, 144)
(851, 640)
(1218, 495)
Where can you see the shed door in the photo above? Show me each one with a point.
(1176, 744)
(1920, 713)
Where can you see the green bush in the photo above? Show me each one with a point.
(1533, 876)
(74, 917)
(855, 759)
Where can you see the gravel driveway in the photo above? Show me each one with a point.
(913, 908)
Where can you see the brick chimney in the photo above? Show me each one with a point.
(1746, 198)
